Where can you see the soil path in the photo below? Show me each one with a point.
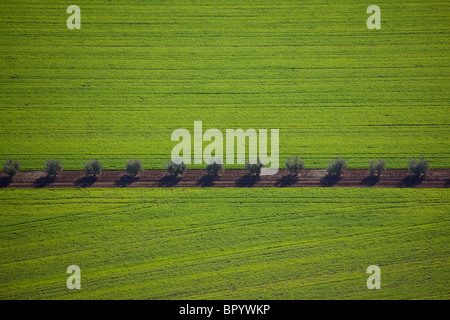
(438, 178)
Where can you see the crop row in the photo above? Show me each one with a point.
(224, 243)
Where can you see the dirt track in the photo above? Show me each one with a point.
(439, 178)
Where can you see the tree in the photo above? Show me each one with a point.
(294, 165)
(11, 167)
(93, 167)
(376, 168)
(175, 168)
(214, 167)
(254, 168)
(419, 168)
(52, 167)
(133, 167)
(336, 166)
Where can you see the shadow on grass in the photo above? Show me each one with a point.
(126, 180)
(287, 181)
(44, 181)
(85, 182)
(5, 181)
(247, 181)
(411, 181)
(370, 181)
(169, 181)
(330, 180)
(207, 180)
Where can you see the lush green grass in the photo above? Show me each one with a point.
(137, 70)
(225, 243)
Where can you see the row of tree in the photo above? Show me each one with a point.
(335, 167)
(293, 165)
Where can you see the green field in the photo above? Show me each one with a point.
(137, 70)
(225, 243)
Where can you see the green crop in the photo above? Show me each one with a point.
(138, 70)
(209, 243)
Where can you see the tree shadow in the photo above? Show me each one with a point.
(247, 181)
(207, 180)
(126, 180)
(286, 181)
(447, 183)
(370, 181)
(5, 181)
(330, 180)
(85, 182)
(169, 181)
(44, 181)
(411, 181)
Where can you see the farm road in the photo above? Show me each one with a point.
(394, 178)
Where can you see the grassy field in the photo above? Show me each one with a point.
(224, 243)
(137, 70)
